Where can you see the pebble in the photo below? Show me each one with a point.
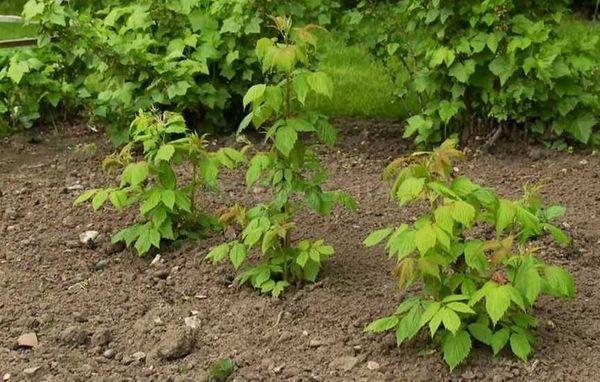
(139, 356)
(192, 322)
(101, 338)
(315, 343)
(89, 238)
(74, 336)
(78, 317)
(346, 363)
(372, 365)
(6, 377)
(28, 340)
(31, 370)
(100, 265)
(108, 353)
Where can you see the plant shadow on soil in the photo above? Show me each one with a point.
(52, 286)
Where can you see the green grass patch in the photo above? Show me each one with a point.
(10, 31)
(362, 86)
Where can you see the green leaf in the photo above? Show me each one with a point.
(178, 89)
(320, 83)
(528, 282)
(502, 68)
(153, 197)
(382, 325)
(218, 253)
(99, 199)
(505, 215)
(557, 234)
(481, 333)
(520, 346)
(425, 238)
(554, 212)
(581, 127)
(460, 307)
(168, 198)
(559, 281)
(431, 309)
(409, 325)
(443, 218)
(85, 196)
(17, 69)
(285, 139)
(497, 302)
(376, 237)
(474, 255)
(118, 199)
(259, 163)
(435, 322)
(447, 110)
(254, 93)
(456, 348)
(237, 254)
(32, 8)
(499, 340)
(450, 319)
(135, 173)
(165, 153)
(410, 189)
(463, 213)
(462, 71)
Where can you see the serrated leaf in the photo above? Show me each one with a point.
(474, 255)
(497, 302)
(499, 340)
(430, 310)
(410, 189)
(520, 346)
(218, 253)
(481, 333)
(425, 238)
(557, 234)
(254, 93)
(460, 307)
(376, 237)
(168, 198)
(505, 215)
(99, 198)
(450, 319)
(463, 213)
(559, 281)
(320, 83)
(165, 153)
(382, 325)
(285, 139)
(456, 348)
(237, 255)
(87, 195)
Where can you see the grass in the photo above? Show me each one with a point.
(11, 30)
(362, 86)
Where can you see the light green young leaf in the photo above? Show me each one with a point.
(425, 238)
(505, 215)
(376, 237)
(456, 348)
(410, 189)
(254, 93)
(165, 153)
(450, 319)
(463, 213)
(382, 325)
(497, 302)
(285, 139)
(500, 339)
(237, 255)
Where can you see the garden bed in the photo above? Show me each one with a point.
(82, 301)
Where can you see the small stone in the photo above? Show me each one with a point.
(28, 340)
(315, 343)
(100, 265)
(583, 162)
(192, 322)
(155, 261)
(201, 296)
(89, 238)
(345, 363)
(108, 353)
(31, 370)
(5, 377)
(74, 336)
(372, 365)
(176, 343)
(139, 356)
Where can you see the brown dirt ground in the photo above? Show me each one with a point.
(49, 283)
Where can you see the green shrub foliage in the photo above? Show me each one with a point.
(169, 209)
(471, 251)
(499, 63)
(191, 57)
(289, 169)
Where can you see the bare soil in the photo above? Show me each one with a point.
(93, 309)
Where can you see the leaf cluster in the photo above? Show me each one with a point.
(471, 251)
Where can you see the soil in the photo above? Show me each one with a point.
(100, 314)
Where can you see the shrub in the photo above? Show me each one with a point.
(498, 64)
(469, 249)
(289, 169)
(169, 210)
(195, 58)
